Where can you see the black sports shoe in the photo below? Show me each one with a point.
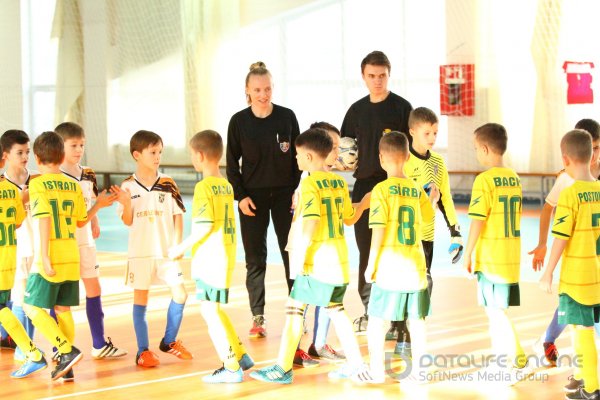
(581, 394)
(66, 362)
(69, 376)
(573, 385)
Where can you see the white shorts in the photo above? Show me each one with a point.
(23, 268)
(88, 263)
(142, 273)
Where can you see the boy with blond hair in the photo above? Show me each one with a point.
(495, 236)
(151, 206)
(74, 139)
(576, 231)
(213, 241)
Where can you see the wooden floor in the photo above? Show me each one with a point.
(457, 326)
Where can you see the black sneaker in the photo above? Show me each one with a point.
(302, 359)
(66, 362)
(573, 385)
(69, 376)
(7, 344)
(392, 333)
(326, 353)
(360, 325)
(581, 394)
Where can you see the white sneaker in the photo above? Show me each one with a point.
(366, 375)
(108, 351)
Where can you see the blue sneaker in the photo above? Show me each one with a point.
(246, 362)
(274, 374)
(29, 368)
(223, 375)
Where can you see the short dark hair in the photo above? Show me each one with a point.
(326, 126)
(208, 142)
(316, 140)
(49, 148)
(70, 130)
(577, 145)
(375, 58)
(494, 136)
(591, 126)
(394, 142)
(420, 115)
(12, 137)
(143, 139)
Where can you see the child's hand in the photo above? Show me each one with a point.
(468, 266)
(546, 282)
(295, 198)
(123, 195)
(369, 273)
(105, 199)
(175, 253)
(539, 254)
(48, 267)
(95, 228)
(433, 191)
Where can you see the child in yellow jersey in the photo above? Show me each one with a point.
(428, 169)
(397, 269)
(576, 231)
(321, 255)
(213, 255)
(57, 208)
(12, 215)
(495, 236)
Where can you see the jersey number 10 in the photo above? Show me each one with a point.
(512, 206)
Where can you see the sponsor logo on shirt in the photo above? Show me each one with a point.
(161, 197)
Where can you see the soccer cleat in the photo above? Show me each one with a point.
(66, 362)
(176, 348)
(326, 353)
(367, 376)
(223, 375)
(573, 385)
(259, 327)
(108, 351)
(403, 350)
(147, 359)
(7, 344)
(581, 394)
(392, 333)
(302, 359)
(360, 324)
(29, 367)
(274, 374)
(246, 362)
(69, 376)
(548, 349)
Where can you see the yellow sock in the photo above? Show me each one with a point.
(218, 334)
(16, 331)
(589, 358)
(232, 336)
(292, 332)
(49, 328)
(67, 325)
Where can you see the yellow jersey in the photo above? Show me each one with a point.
(324, 197)
(496, 199)
(577, 219)
(213, 258)
(59, 198)
(431, 168)
(401, 207)
(12, 213)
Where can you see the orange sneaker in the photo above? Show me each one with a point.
(147, 359)
(176, 348)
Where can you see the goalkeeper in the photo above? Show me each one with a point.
(427, 169)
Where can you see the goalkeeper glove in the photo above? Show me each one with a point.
(456, 246)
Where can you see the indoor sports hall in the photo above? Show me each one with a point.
(177, 67)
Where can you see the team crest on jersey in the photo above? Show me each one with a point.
(161, 197)
(284, 146)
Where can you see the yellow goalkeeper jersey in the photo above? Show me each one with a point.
(12, 213)
(213, 258)
(577, 219)
(431, 168)
(324, 197)
(496, 199)
(401, 207)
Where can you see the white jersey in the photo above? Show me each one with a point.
(563, 181)
(89, 188)
(152, 231)
(25, 246)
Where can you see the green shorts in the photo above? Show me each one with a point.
(392, 305)
(497, 295)
(571, 312)
(4, 297)
(44, 294)
(207, 292)
(308, 290)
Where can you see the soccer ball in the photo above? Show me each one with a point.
(348, 157)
